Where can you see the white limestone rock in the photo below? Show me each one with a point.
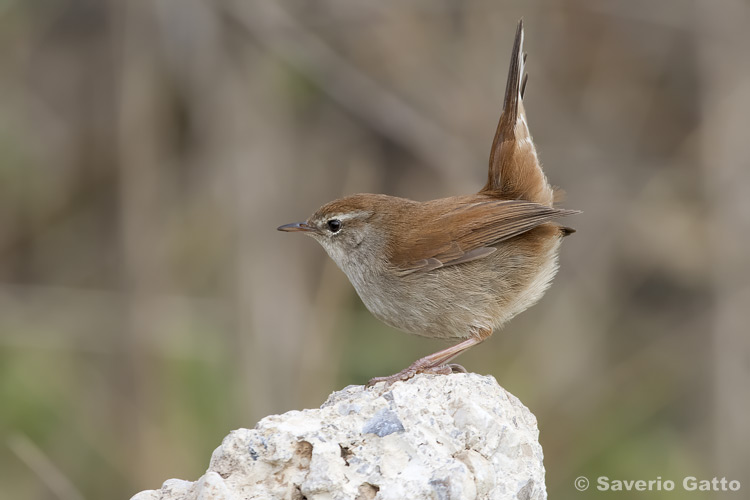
(458, 436)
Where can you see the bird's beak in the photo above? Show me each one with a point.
(297, 226)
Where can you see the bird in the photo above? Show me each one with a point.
(456, 268)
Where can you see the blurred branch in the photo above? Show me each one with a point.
(143, 196)
(726, 107)
(31, 455)
(290, 41)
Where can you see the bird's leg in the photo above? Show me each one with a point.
(435, 363)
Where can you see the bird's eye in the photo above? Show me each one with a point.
(334, 225)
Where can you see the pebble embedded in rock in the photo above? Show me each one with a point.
(383, 423)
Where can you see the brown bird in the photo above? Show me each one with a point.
(455, 268)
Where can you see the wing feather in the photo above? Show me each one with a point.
(468, 232)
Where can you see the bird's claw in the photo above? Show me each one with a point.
(414, 369)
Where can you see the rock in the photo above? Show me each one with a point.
(459, 436)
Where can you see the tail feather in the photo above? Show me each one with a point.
(514, 170)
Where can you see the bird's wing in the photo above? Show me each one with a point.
(467, 233)
(514, 169)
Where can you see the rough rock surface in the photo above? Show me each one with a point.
(459, 436)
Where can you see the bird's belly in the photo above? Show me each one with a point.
(456, 302)
(412, 315)
(418, 312)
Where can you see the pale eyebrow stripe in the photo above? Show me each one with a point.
(350, 215)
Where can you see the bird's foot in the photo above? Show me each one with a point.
(456, 368)
(415, 368)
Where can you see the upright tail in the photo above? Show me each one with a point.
(514, 170)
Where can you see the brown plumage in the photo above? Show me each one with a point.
(515, 172)
(467, 228)
(458, 267)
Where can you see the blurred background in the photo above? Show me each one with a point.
(150, 148)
